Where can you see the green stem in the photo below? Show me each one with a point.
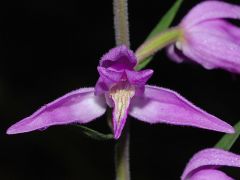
(121, 27)
(156, 43)
(122, 155)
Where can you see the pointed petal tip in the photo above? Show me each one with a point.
(18, 128)
(226, 128)
(116, 136)
(10, 131)
(150, 72)
(230, 130)
(219, 126)
(118, 130)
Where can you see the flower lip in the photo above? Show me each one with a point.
(121, 95)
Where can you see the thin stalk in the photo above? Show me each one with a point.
(122, 155)
(157, 42)
(121, 26)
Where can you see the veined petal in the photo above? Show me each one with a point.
(110, 76)
(80, 106)
(121, 95)
(210, 157)
(209, 174)
(213, 50)
(209, 10)
(218, 27)
(119, 58)
(214, 44)
(160, 105)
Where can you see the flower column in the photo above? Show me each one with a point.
(121, 28)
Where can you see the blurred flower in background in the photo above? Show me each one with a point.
(208, 39)
(204, 165)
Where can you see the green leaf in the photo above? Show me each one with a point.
(163, 24)
(227, 141)
(95, 134)
(166, 20)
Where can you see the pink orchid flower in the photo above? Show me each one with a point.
(208, 39)
(123, 89)
(204, 165)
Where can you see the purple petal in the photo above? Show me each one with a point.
(159, 105)
(119, 58)
(209, 174)
(79, 106)
(110, 77)
(220, 28)
(209, 10)
(138, 78)
(213, 47)
(210, 157)
(171, 52)
(101, 87)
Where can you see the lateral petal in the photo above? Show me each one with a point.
(160, 105)
(139, 78)
(80, 106)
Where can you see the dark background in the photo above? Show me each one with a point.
(48, 48)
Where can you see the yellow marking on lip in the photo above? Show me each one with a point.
(121, 95)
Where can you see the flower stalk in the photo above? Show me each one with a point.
(121, 27)
(122, 155)
(157, 42)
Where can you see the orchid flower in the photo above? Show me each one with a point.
(123, 89)
(208, 39)
(204, 165)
